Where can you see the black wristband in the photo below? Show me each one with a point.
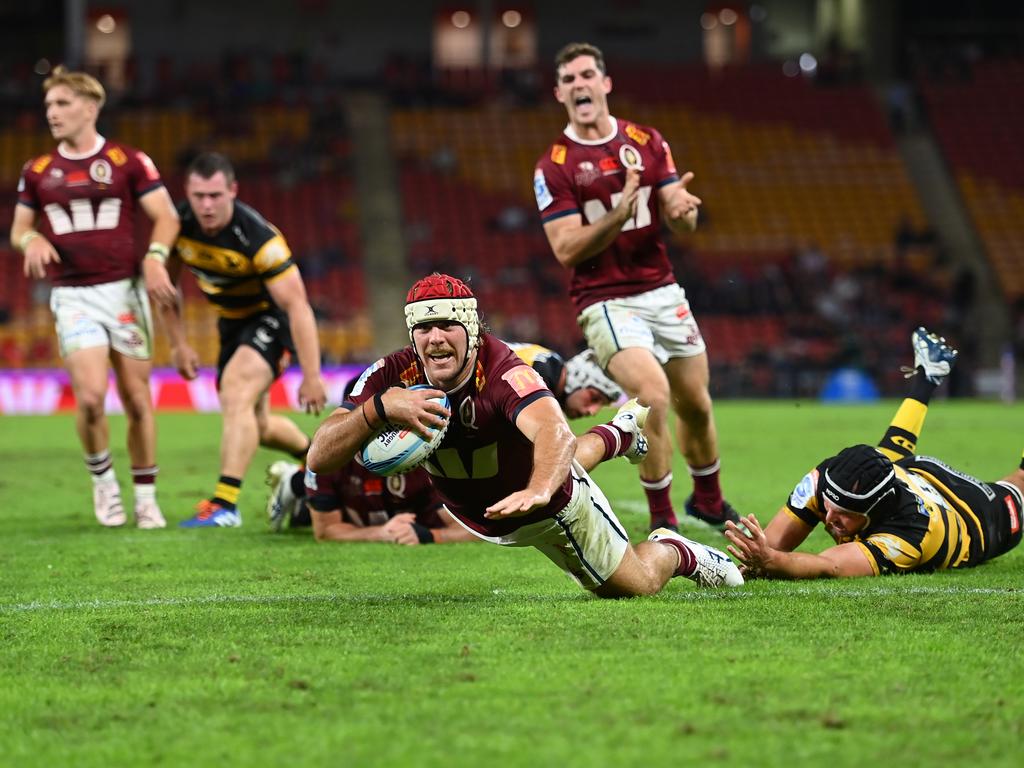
(424, 534)
(378, 405)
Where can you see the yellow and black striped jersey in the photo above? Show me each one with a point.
(234, 266)
(943, 518)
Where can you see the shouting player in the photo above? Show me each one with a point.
(604, 188)
(84, 198)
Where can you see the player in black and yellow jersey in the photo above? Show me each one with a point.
(888, 509)
(245, 268)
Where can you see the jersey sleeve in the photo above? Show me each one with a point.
(323, 491)
(273, 258)
(891, 553)
(665, 167)
(27, 194)
(552, 186)
(142, 171)
(516, 386)
(803, 501)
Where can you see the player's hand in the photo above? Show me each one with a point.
(312, 394)
(748, 543)
(683, 204)
(38, 253)
(414, 408)
(186, 361)
(399, 530)
(158, 283)
(517, 504)
(626, 209)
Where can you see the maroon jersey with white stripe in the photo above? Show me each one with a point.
(368, 499)
(87, 208)
(586, 178)
(483, 457)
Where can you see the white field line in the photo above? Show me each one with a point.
(833, 591)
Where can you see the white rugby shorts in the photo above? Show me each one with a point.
(113, 315)
(658, 320)
(585, 539)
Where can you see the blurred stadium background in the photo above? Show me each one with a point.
(860, 163)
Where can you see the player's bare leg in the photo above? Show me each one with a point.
(88, 369)
(279, 432)
(245, 380)
(638, 372)
(698, 437)
(132, 378)
(644, 570)
(133, 386)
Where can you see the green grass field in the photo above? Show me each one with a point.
(241, 648)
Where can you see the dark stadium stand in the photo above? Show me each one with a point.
(785, 167)
(978, 119)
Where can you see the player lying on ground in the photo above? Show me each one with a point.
(505, 466)
(889, 510)
(354, 504)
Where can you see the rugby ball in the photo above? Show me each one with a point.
(396, 450)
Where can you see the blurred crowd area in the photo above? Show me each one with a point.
(813, 252)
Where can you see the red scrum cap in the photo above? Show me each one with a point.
(442, 297)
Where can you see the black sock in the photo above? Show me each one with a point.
(298, 483)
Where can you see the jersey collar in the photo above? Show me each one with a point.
(82, 155)
(571, 134)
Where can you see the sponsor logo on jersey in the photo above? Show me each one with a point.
(309, 479)
(1011, 507)
(558, 154)
(410, 375)
(40, 165)
(117, 156)
(100, 171)
(587, 173)
(77, 179)
(541, 191)
(524, 380)
(640, 137)
(804, 490)
(151, 172)
(608, 166)
(373, 486)
(670, 163)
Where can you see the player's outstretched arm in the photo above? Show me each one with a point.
(554, 444)
(759, 558)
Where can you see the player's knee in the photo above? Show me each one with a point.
(91, 404)
(137, 404)
(693, 406)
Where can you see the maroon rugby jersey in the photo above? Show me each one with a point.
(368, 499)
(87, 208)
(586, 178)
(483, 457)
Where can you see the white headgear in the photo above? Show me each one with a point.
(582, 371)
(442, 297)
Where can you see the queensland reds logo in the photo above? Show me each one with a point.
(630, 157)
(396, 486)
(100, 171)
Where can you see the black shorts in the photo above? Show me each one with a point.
(996, 505)
(267, 332)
